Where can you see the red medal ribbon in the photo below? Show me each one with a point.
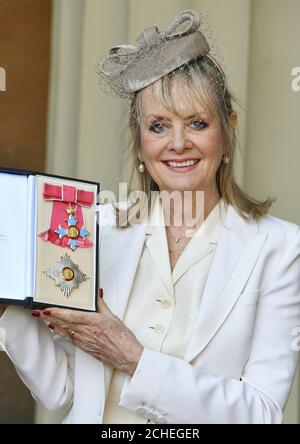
(68, 194)
(61, 197)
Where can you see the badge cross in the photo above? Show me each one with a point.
(72, 231)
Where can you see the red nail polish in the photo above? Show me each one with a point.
(101, 293)
(51, 326)
(36, 314)
(47, 312)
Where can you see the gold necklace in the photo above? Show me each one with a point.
(176, 238)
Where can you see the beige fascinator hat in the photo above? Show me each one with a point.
(130, 68)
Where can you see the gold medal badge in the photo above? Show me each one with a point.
(66, 275)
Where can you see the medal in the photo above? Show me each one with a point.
(66, 275)
(71, 232)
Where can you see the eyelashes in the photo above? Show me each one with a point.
(199, 124)
(158, 127)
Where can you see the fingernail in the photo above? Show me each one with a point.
(47, 312)
(36, 314)
(51, 326)
(101, 293)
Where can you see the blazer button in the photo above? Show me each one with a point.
(166, 303)
(159, 328)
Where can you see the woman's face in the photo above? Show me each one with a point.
(181, 151)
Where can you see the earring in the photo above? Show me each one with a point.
(226, 159)
(141, 167)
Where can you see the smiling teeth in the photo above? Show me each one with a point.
(182, 164)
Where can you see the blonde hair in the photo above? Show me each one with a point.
(204, 80)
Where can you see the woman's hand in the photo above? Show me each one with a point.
(103, 335)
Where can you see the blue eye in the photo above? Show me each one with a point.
(157, 127)
(199, 124)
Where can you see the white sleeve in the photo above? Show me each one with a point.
(44, 362)
(169, 390)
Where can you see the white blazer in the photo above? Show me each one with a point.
(241, 358)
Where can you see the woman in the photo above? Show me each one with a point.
(198, 317)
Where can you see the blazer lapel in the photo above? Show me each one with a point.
(194, 252)
(237, 251)
(203, 242)
(157, 245)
